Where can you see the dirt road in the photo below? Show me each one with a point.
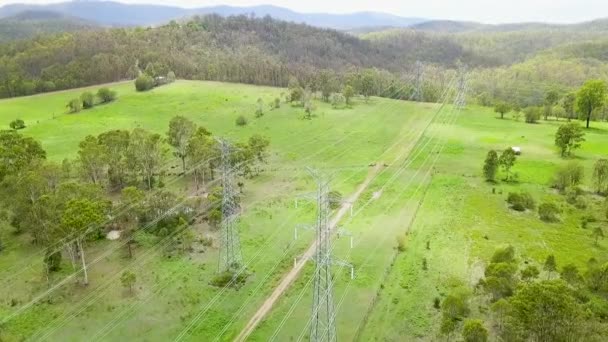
(293, 274)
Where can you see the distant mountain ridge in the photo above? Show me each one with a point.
(30, 23)
(109, 13)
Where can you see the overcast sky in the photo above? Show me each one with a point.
(489, 11)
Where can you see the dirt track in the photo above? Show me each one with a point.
(293, 274)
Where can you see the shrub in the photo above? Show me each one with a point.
(505, 254)
(335, 199)
(581, 202)
(520, 201)
(569, 175)
(401, 243)
(572, 194)
(144, 83)
(548, 212)
(17, 124)
(338, 100)
(229, 278)
(106, 95)
(532, 114)
(474, 331)
(277, 103)
(74, 106)
(88, 100)
(241, 121)
(171, 77)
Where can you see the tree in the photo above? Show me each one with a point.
(171, 77)
(77, 221)
(145, 154)
(325, 81)
(88, 100)
(337, 101)
(529, 273)
(348, 93)
(590, 97)
(550, 265)
(507, 160)
(551, 99)
(74, 106)
(548, 212)
(568, 104)
(570, 274)
(116, 145)
(569, 137)
(93, 157)
(366, 85)
(502, 108)
(598, 233)
(106, 95)
(532, 114)
(18, 153)
(568, 176)
(600, 176)
(490, 166)
(131, 210)
(144, 82)
(178, 136)
(474, 331)
(241, 121)
(259, 112)
(128, 279)
(548, 311)
(203, 153)
(17, 124)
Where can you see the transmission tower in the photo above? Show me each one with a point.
(418, 94)
(460, 102)
(230, 246)
(323, 316)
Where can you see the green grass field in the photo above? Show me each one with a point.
(440, 198)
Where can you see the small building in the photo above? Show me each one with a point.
(516, 149)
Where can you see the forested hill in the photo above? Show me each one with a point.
(239, 49)
(518, 66)
(28, 24)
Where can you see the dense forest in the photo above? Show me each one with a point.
(518, 66)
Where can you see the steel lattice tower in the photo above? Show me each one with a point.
(418, 94)
(460, 102)
(230, 258)
(323, 327)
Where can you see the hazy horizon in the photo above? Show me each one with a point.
(489, 11)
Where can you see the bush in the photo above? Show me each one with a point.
(88, 100)
(171, 77)
(520, 201)
(74, 106)
(532, 114)
(144, 83)
(106, 95)
(572, 194)
(335, 199)
(338, 100)
(241, 121)
(226, 279)
(17, 124)
(548, 212)
(569, 175)
(401, 243)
